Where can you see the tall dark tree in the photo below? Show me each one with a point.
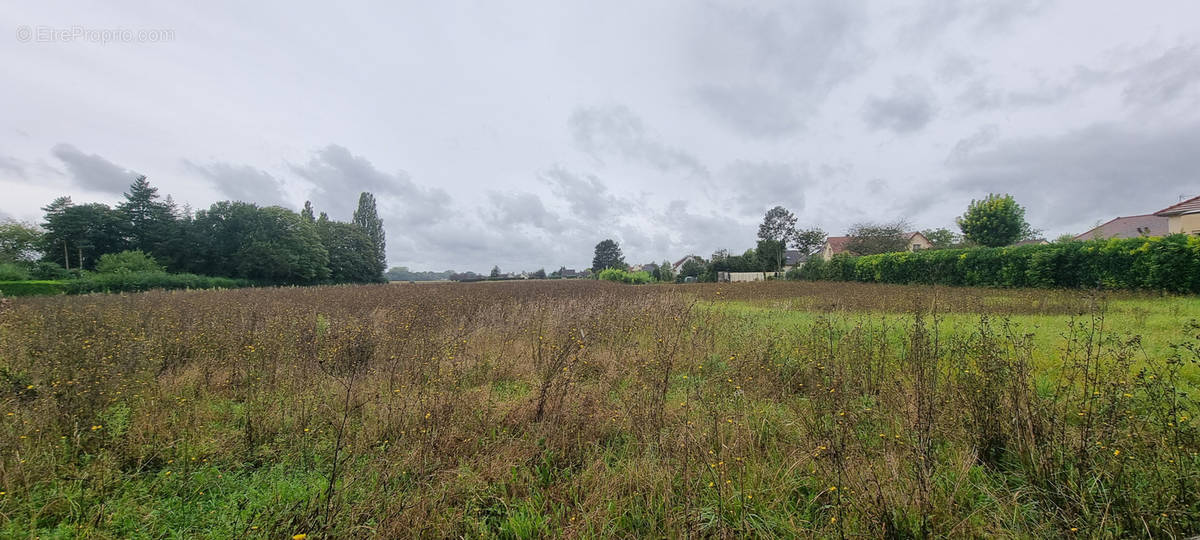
(495, 273)
(351, 252)
(769, 255)
(367, 217)
(77, 235)
(149, 223)
(778, 224)
(272, 244)
(307, 212)
(778, 227)
(608, 255)
(808, 240)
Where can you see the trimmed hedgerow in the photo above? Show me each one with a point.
(145, 281)
(1170, 263)
(32, 288)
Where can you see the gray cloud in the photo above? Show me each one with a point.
(909, 108)
(1174, 75)
(587, 197)
(982, 137)
(754, 187)
(241, 183)
(12, 167)
(956, 67)
(1098, 172)
(92, 172)
(935, 17)
(617, 131)
(766, 70)
(338, 176)
(517, 209)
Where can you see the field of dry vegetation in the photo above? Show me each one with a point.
(590, 409)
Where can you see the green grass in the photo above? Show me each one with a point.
(218, 414)
(1158, 322)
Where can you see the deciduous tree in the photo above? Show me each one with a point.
(995, 221)
(871, 238)
(367, 217)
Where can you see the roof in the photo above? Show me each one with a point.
(793, 256)
(683, 260)
(1129, 227)
(837, 244)
(1190, 206)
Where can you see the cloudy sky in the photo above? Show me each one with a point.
(522, 133)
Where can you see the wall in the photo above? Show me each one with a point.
(1186, 224)
(736, 277)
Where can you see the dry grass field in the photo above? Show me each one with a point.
(588, 409)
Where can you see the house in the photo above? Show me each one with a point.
(648, 267)
(677, 265)
(1129, 227)
(833, 246)
(1183, 217)
(793, 258)
(839, 244)
(1033, 242)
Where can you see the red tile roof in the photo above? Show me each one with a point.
(837, 244)
(1190, 206)
(1128, 227)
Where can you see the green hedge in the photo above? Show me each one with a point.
(144, 281)
(621, 276)
(1170, 263)
(119, 282)
(32, 288)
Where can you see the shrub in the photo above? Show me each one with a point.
(32, 288)
(621, 276)
(144, 281)
(13, 272)
(46, 270)
(128, 261)
(1170, 263)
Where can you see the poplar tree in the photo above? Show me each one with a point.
(367, 217)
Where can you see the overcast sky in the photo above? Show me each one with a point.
(522, 133)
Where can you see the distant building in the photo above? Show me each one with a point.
(840, 244)
(1183, 217)
(1129, 227)
(1033, 242)
(793, 258)
(679, 264)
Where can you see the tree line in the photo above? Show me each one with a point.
(995, 221)
(268, 245)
